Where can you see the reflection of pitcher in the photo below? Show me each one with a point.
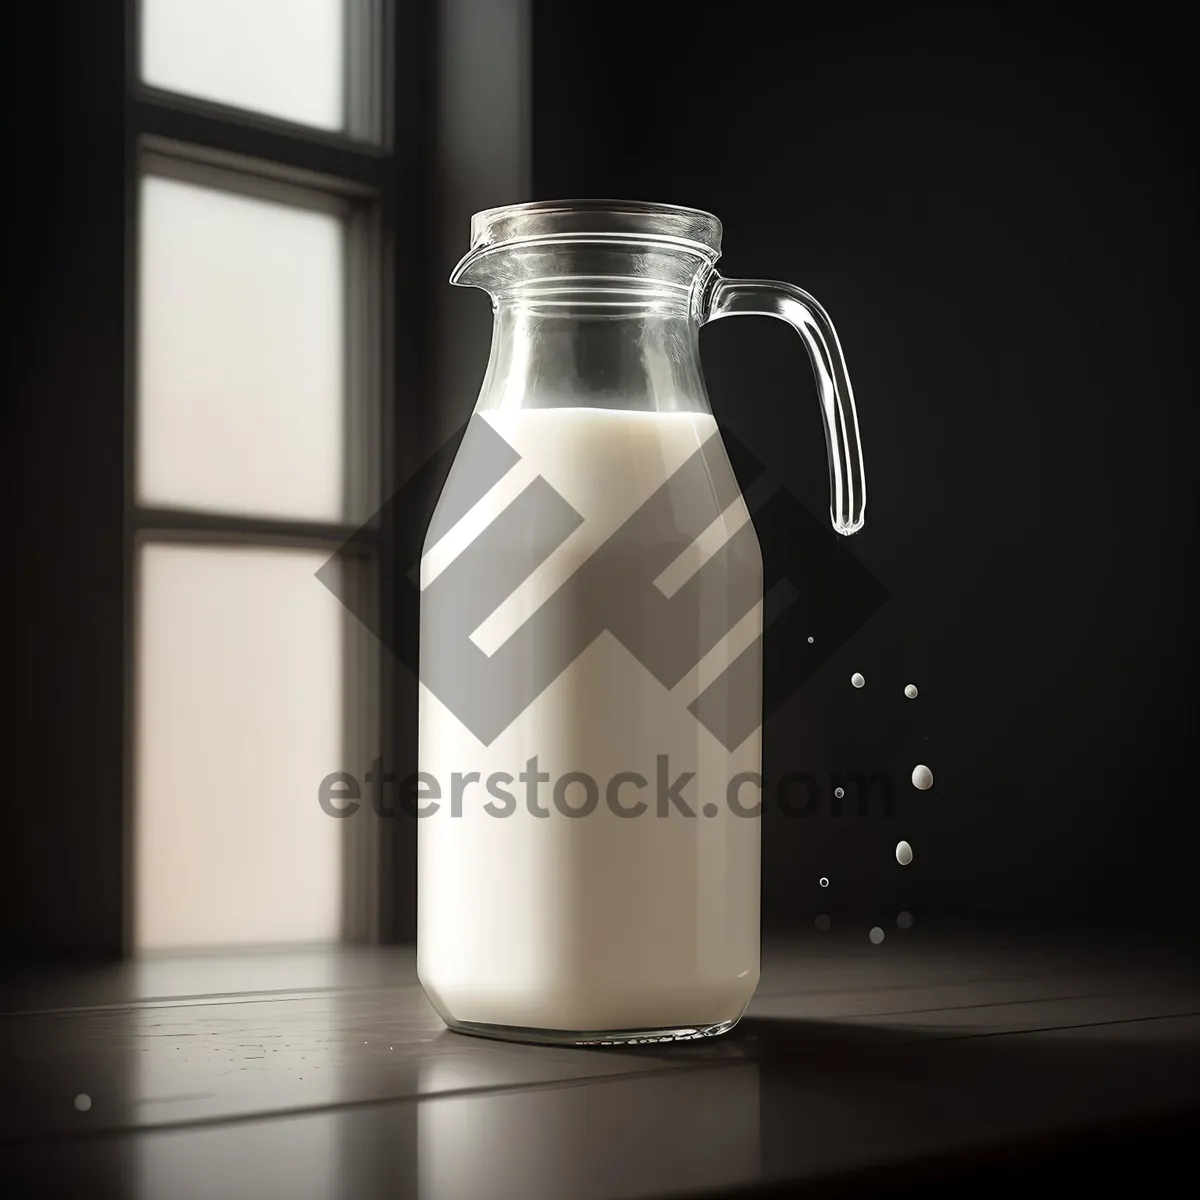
(591, 624)
(626, 1136)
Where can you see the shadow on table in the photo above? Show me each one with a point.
(863, 1110)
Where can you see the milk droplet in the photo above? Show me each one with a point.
(822, 922)
(922, 777)
(83, 1102)
(810, 639)
(911, 691)
(839, 792)
(858, 679)
(824, 881)
(904, 920)
(876, 935)
(903, 853)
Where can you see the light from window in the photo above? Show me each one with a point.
(283, 58)
(241, 392)
(239, 686)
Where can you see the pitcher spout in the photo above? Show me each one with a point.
(474, 269)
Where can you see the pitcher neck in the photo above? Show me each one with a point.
(637, 353)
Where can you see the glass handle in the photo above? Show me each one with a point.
(765, 298)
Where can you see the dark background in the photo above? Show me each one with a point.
(995, 205)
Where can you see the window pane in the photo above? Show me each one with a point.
(238, 718)
(241, 393)
(280, 57)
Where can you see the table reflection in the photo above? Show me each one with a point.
(628, 1136)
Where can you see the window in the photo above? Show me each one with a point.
(261, 225)
(284, 58)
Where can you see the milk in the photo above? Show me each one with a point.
(602, 923)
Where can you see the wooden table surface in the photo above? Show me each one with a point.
(325, 1072)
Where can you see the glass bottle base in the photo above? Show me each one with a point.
(573, 1037)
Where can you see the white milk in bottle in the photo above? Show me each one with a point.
(590, 642)
(568, 899)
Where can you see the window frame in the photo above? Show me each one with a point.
(463, 138)
(357, 174)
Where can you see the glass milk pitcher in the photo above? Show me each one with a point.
(591, 640)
